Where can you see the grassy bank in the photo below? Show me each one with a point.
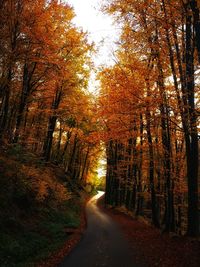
(37, 208)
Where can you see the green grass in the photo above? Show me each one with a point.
(31, 228)
(25, 244)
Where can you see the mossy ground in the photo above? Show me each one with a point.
(36, 208)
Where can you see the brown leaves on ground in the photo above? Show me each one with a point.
(57, 257)
(156, 249)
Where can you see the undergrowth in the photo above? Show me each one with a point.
(35, 211)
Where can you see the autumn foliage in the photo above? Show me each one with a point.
(147, 113)
(149, 105)
(45, 63)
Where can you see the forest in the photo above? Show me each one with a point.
(150, 106)
(53, 131)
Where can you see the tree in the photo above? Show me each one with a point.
(158, 42)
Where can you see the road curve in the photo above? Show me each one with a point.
(102, 245)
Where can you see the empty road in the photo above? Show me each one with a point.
(102, 245)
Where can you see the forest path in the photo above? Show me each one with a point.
(103, 243)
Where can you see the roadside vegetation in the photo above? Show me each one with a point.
(39, 210)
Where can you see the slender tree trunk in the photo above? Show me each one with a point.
(139, 182)
(192, 146)
(26, 89)
(166, 140)
(49, 138)
(4, 112)
(85, 162)
(196, 19)
(69, 134)
(51, 125)
(70, 168)
(151, 165)
(110, 174)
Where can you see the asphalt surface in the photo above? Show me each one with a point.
(102, 245)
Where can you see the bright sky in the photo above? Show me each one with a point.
(98, 26)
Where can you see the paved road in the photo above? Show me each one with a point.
(102, 245)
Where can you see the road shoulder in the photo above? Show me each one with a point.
(150, 246)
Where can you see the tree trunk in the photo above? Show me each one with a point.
(151, 166)
(196, 19)
(26, 89)
(192, 141)
(85, 162)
